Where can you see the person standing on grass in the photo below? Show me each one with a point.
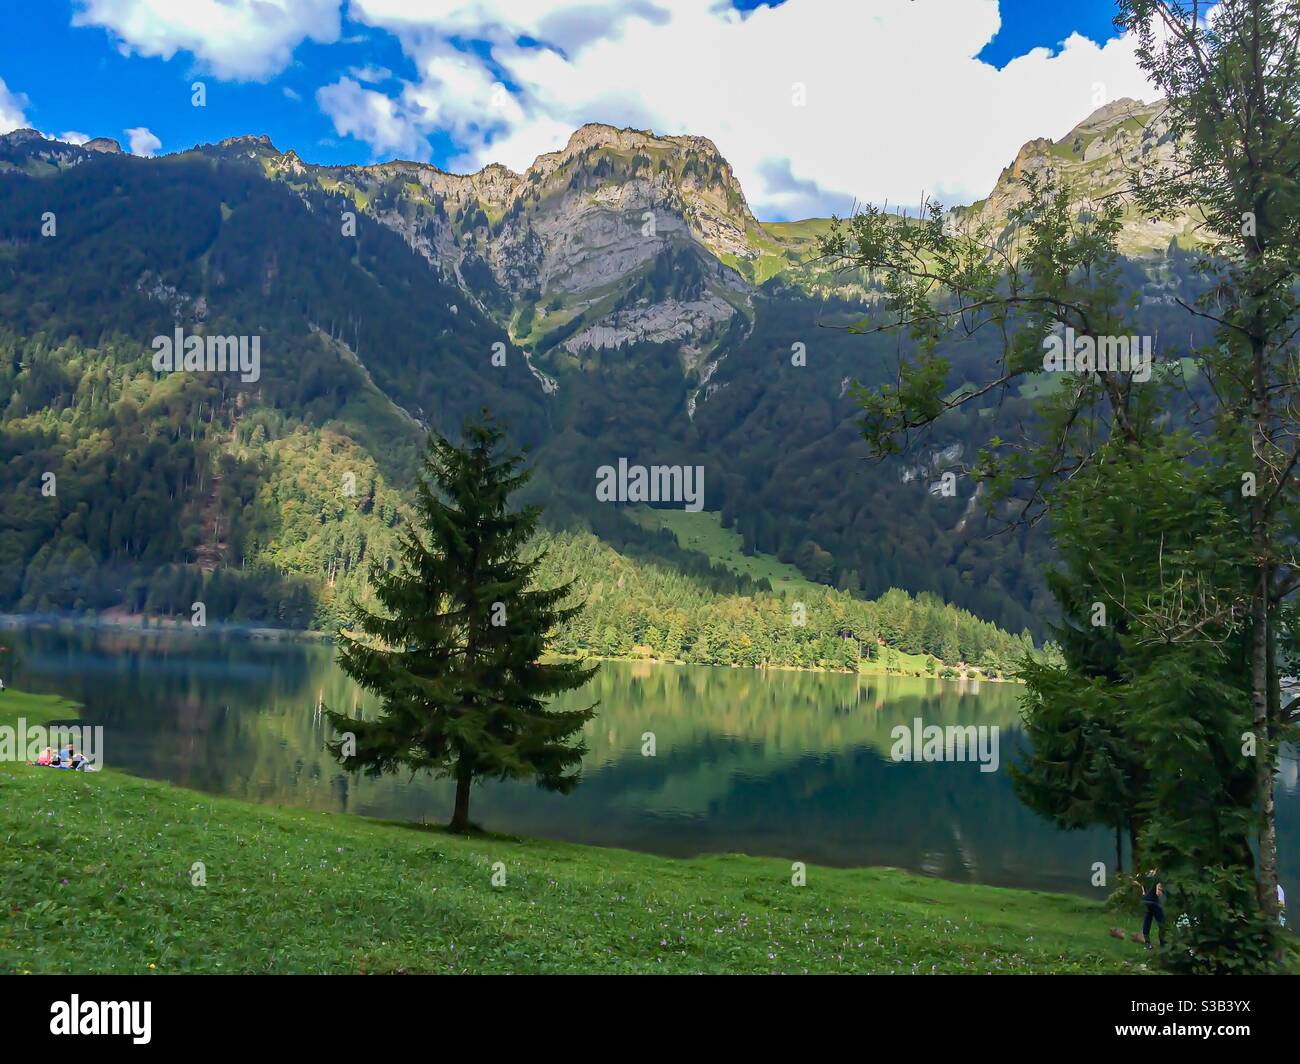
(1153, 901)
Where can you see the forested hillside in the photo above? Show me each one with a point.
(650, 610)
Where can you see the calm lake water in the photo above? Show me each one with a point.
(786, 764)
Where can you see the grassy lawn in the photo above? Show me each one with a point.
(97, 873)
(35, 709)
(905, 664)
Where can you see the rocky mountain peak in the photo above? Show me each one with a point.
(1115, 112)
(1095, 159)
(258, 141)
(694, 161)
(24, 146)
(18, 137)
(602, 135)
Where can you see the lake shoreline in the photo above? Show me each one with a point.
(144, 625)
(785, 668)
(138, 624)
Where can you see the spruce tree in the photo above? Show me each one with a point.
(454, 655)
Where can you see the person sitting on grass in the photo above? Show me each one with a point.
(71, 760)
(1153, 901)
(51, 758)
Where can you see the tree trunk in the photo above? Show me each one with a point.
(1260, 644)
(1119, 849)
(460, 817)
(1259, 698)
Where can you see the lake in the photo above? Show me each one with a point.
(785, 764)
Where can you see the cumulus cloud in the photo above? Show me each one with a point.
(235, 39)
(457, 94)
(73, 137)
(814, 102)
(12, 108)
(141, 142)
(565, 24)
(389, 126)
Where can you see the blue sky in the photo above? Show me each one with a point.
(461, 84)
(1030, 24)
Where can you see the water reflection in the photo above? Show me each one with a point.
(787, 764)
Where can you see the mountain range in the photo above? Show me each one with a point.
(618, 300)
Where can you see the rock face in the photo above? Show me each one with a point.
(588, 215)
(107, 145)
(1095, 159)
(622, 236)
(667, 321)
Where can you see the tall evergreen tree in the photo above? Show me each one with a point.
(1137, 725)
(1232, 100)
(1084, 767)
(455, 654)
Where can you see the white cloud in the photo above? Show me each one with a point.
(12, 107)
(383, 123)
(456, 94)
(142, 142)
(73, 137)
(896, 102)
(566, 24)
(236, 39)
